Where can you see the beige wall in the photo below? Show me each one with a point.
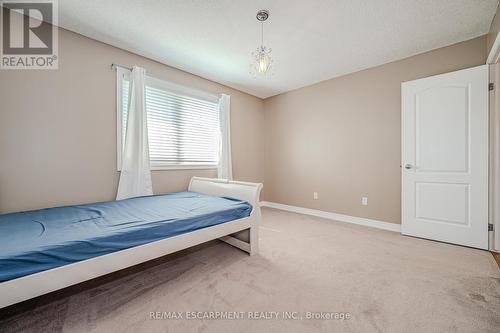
(494, 29)
(58, 128)
(341, 138)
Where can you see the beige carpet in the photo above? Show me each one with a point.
(386, 282)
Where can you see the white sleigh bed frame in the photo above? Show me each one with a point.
(241, 233)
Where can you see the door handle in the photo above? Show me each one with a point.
(408, 166)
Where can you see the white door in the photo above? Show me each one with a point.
(445, 157)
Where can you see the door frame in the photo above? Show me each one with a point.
(494, 171)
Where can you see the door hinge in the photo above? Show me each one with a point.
(490, 227)
(491, 86)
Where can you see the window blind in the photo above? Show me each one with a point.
(182, 130)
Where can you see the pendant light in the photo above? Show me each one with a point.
(261, 58)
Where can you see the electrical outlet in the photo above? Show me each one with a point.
(364, 201)
(315, 195)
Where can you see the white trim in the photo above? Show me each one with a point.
(182, 167)
(494, 185)
(334, 216)
(494, 54)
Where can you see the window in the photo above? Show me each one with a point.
(183, 124)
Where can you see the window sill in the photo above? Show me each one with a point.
(180, 167)
(183, 167)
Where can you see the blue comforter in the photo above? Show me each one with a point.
(38, 240)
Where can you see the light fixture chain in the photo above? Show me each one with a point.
(262, 34)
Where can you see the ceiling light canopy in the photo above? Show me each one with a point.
(261, 58)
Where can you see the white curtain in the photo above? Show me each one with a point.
(225, 169)
(135, 176)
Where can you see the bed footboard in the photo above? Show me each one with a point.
(246, 240)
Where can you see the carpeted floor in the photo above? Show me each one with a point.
(383, 281)
(496, 255)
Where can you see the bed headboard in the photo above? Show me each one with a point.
(222, 187)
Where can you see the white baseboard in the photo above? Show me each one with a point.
(334, 216)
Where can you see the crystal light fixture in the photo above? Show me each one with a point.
(261, 58)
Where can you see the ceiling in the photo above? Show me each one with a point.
(311, 40)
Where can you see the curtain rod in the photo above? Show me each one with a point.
(194, 92)
(115, 66)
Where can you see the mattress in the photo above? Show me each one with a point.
(35, 241)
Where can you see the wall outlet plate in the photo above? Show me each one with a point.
(364, 201)
(315, 195)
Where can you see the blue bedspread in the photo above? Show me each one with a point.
(38, 240)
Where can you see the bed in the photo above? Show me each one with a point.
(46, 250)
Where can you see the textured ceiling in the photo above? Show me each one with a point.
(312, 40)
